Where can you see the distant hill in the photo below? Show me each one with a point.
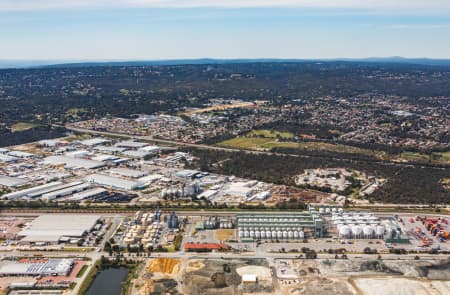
(59, 63)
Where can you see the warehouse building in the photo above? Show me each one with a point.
(278, 226)
(12, 181)
(72, 163)
(131, 144)
(65, 191)
(114, 182)
(51, 228)
(125, 172)
(87, 194)
(94, 141)
(37, 190)
(41, 267)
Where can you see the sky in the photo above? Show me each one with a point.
(178, 29)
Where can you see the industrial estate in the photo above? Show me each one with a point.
(75, 206)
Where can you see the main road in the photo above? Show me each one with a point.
(216, 148)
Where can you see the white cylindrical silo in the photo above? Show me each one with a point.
(301, 234)
(279, 234)
(356, 231)
(268, 234)
(263, 234)
(379, 231)
(344, 232)
(241, 234)
(368, 231)
(274, 234)
(246, 233)
(252, 234)
(290, 234)
(257, 234)
(285, 234)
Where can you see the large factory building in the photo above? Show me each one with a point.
(279, 226)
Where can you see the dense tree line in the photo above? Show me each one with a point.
(8, 138)
(405, 183)
(126, 90)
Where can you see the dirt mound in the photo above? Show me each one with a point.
(164, 265)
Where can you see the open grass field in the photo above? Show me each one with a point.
(23, 126)
(268, 140)
(271, 134)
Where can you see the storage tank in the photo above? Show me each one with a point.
(246, 233)
(296, 235)
(268, 234)
(285, 234)
(321, 210)
(368, 231)
(327, 210)
(344, 231)
(301, 234)
(279, 234)
(230, 225)
(333, 210)
(263, 234)
(356, 231)
(252, 234)
(257, 234)
(290, 235)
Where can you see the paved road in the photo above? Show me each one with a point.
(211, 147)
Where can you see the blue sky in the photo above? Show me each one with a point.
(169, 29)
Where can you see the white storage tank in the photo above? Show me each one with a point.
(274, 234)
(285, 234)
(356, 231)
(246, 233)
(252, 234)
(321, 210)
(241, 233)
(344, 231)
(263, 234)
(296, 235)
(290, 235)
(257, 234)
(379, 231)
(268, 234)
(301, 234)
(279, 234)
(368, 231)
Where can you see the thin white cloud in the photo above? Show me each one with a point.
(383, 5)
(419, 26)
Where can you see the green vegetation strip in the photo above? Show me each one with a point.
(82, 271)
(89, 278)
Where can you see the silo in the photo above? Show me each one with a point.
(344, 232)
(285, 234)
(290, 234)
(252, 234)
(263, 234)
(241, 234)
(279, 234)
(368, 231)
(356, 231)
(230, 225)
(268, 234)
(257, 234)
(296, 235)
(274, 234)
(246, 233)
(301, 235)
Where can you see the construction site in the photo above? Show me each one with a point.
(228, 276)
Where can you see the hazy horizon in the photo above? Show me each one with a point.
(191, 29)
